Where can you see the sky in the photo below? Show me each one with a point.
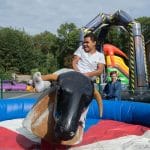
(36, 16)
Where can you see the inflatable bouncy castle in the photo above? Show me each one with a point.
(116, 63)
(138, 76)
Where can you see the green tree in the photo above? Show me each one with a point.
(46, 42)
(16, 51)
(145, 25)
(68, 41)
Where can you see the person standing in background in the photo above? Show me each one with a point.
(112, 90)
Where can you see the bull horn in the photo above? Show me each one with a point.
(98, 98)
(50, 77)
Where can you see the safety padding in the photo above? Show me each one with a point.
(15, 108)
(124, 111)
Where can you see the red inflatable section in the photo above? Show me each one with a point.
(104, 130)
(12, 140)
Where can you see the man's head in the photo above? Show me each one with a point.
(89, 43)
(113, 75)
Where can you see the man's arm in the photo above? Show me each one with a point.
(97, 72)
(75, 62)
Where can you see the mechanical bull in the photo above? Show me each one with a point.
(59, 115)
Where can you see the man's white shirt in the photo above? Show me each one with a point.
(88, 62)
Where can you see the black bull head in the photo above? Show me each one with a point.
(74, 93)
(58, 115)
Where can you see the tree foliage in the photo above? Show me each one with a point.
(68, 41)
(47, 52)
(15, 49)
(46, 43)
(145, 25)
